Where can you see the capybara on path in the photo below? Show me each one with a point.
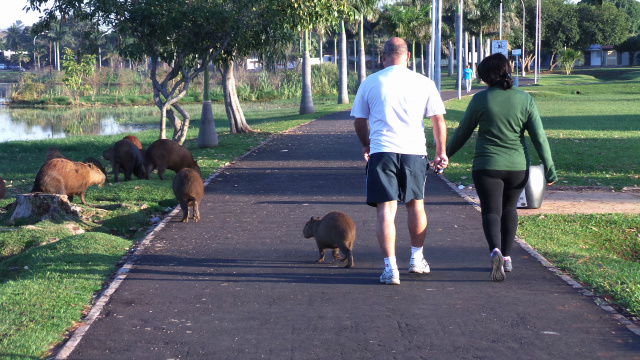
(127, 157)
(53, 153)
(334, 231)
(166, 154)
(3, 189)
(188, 189)
(134, 140)
(66, 177)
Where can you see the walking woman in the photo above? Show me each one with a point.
(501, 161)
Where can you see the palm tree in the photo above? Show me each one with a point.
(14, 33)
(568, 59)
(364, 9)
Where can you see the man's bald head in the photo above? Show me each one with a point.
(395, 52)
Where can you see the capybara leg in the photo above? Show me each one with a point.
(161, 170)
(348, 254)
(116, 170)
(336, 254)
(81, 198)
(185, 211)
(70, 197)
(321, 258)
(196, 211)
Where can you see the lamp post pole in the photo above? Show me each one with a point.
(500, 30)
(523, 42)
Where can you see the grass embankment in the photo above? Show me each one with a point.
(595, 141)
(48, 276)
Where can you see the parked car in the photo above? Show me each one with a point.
(3, 67)
(16, 68)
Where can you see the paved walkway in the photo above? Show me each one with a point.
(242, 282)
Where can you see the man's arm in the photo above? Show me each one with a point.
(440, 161)
(362, 130)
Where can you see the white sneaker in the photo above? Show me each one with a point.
(497, 266)
(419, 266)
(390, 277)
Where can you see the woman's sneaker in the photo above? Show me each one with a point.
(390, 277)
(419, 266)
(508, 266)
(497, 266)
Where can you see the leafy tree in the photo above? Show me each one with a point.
(632, 45)
(560, 23)
(407, 21)
(14, 36)
(604, 25)
(568, 59)
(185, 34)
(630, 9)
(77, 73)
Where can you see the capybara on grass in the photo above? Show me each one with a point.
(3, 189)
(334, 231)
(134, 140)
(188, 189)
(96, 162)
(166, 154)
(66, 177)
(127, 157)
(53, 153)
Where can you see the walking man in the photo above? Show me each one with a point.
(468, 75)
(390, 108)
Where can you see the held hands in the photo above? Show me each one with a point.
(439, 163)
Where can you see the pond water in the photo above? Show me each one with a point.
(37, 124)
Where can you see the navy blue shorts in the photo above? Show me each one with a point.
(396, 177)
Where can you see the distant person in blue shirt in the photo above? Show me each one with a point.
(468, 75)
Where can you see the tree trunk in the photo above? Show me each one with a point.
(413, 56)
(551, 63)
(450, 65)
(320, 50)
(362, 69)
(343, 95)
(237, 122)
(306, 100)
(41, 204)
(480, 54)
(473, 51)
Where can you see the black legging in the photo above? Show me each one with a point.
(499, 191)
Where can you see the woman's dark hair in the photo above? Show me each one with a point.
(495, 70)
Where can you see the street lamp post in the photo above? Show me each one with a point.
(500, 30)
(523, 43)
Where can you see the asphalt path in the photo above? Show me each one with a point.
(243, 282)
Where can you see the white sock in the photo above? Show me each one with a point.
(390, 263)
(416, 253)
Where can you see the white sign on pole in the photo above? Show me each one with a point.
(516, 52)
(499, 46)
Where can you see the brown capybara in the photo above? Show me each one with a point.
(166, 154)
(127, 157)
(53, 153)
(96, 162)
(66, 177)
(3, 189)
(188, 189)
(134, 140)
(334, 231)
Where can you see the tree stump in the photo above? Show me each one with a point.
(41, 204)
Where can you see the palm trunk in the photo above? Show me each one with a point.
(320, 50)
(413, 56)
(237, 122)
(306, 101)
(343, 95)
(450, 62)
(480, 54)
(362, 69)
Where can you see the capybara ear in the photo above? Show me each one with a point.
(310, 220)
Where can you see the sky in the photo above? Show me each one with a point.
(11, 10)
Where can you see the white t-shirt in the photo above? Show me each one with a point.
(396, 101)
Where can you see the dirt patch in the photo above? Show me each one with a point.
(579, 200)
